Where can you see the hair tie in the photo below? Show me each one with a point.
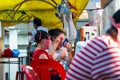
(113, 22)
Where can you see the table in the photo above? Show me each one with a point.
(7, 60)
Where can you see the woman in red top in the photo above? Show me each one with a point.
(43, 42)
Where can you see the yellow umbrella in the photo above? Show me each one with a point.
(17, 11)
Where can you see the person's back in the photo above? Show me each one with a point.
(106, 65)
(100, 58)
(37, 26)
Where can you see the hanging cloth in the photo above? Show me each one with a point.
(66, 17)
(71, 32)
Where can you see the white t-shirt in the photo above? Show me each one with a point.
(58, 52)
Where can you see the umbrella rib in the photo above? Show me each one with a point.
(6, 11)
(10, 15)
(22, 17)
(19, 5)
(16, 10)
(54, 2)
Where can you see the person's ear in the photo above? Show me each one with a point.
(52, 38)
(35, 26)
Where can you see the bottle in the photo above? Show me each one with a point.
(65, 65)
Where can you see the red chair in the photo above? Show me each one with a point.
(21, 74)
(44, 68)
(30, 73)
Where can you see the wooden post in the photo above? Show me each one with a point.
(2, 48)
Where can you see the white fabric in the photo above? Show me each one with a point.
(69, 27)
(58, 52)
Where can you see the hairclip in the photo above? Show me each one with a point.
(113, 22)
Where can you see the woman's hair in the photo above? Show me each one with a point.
(113, 31)
(41, 35)
(55, 33)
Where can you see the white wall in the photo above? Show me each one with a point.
(80, 23)
(116, 4)
(22, 41)
(107, 12)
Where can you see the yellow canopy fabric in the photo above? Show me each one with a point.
(17, 11)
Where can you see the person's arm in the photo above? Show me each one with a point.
(69, 51)
(62, 55)
(53, 49)
(43, 56)
(28, 46)
(31, 40)
(29, 34)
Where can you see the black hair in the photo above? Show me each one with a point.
(37, 21)
(41, 35)
(55, 33)
(113, 31)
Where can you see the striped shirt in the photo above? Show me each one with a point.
(98, 60)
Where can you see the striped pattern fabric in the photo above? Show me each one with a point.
(98, 60)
